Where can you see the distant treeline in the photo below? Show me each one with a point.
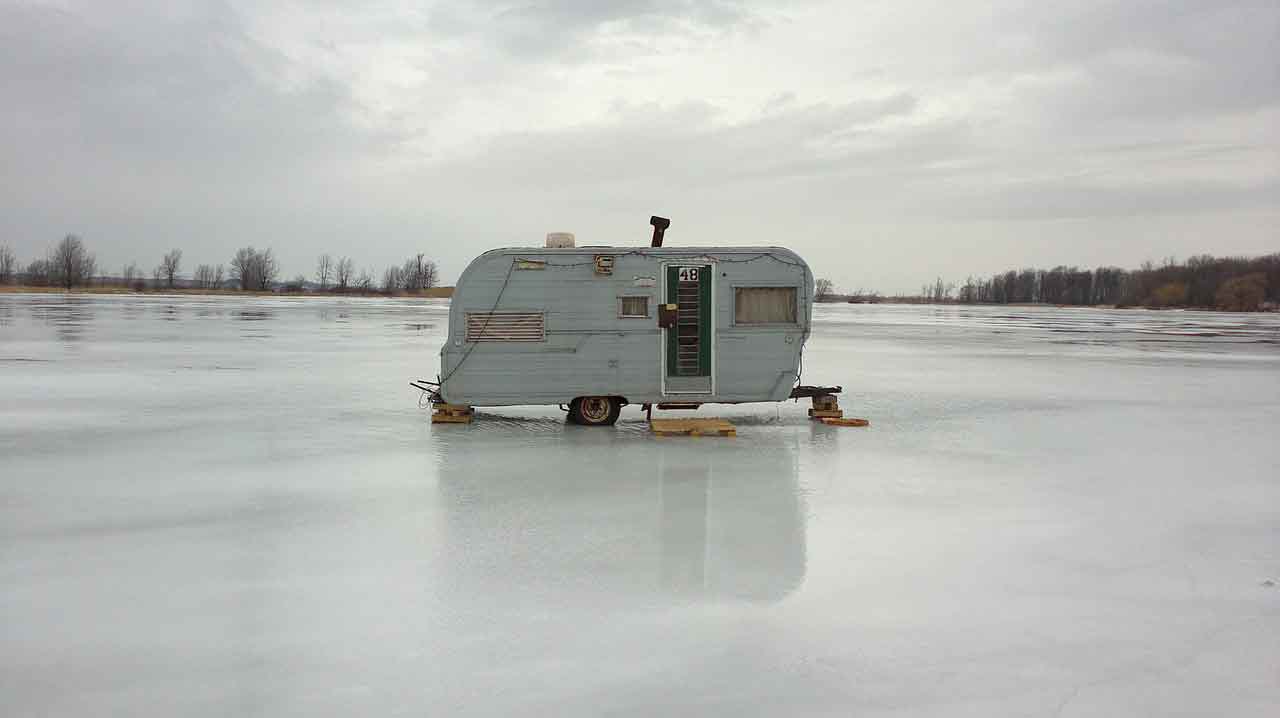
(1230, 283)
(70, 264)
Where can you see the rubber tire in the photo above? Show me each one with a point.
(577, 416)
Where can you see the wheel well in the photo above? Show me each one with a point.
(621, 399)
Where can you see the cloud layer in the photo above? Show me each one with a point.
(886, 143)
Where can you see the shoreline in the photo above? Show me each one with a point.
(433, 293)
(1033, 305)
(447, 292)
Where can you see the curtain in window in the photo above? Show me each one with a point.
(765, 305)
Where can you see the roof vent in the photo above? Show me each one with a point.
(559, 240)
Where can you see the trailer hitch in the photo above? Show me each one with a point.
(808, 392)
(430, 388)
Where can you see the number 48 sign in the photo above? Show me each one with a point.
(688, 274)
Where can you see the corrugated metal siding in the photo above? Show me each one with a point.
(506, 327)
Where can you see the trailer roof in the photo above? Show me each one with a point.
(633, 249)
(780, 253)
(741, 254)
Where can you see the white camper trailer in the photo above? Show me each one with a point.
(596, 328)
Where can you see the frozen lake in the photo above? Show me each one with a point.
(234, 506)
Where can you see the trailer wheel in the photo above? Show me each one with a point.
(595, 410)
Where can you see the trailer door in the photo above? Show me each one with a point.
(688, 343)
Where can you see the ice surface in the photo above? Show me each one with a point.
(231, 506)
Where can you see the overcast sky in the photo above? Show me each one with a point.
(887, 142)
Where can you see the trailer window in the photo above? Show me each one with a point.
(505, 327)
(764, 305)
(633, 307)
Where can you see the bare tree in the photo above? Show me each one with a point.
(344, 274)
(241, 269)
(324, 270)
(823, 290)
(418, 273)
(392, 280)
(1243, 294)
(208, 276)
(70, 264)
(169, 265)
(8, 264)
(130, 274)
(428, 273)
(254, 270)
(1196, 283)
(38, 273)
(411, 274)
(365, 282)
(267, 270)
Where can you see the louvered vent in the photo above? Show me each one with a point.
(505, 327)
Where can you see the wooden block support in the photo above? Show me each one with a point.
(825, 402)
(825, 406)
(452, 414)
(692, 427)
(844, 422)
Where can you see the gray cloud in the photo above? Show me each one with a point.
(315, 126)
(684, 145)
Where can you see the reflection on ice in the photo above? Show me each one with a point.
(168, 312)
(252, 315)
(731, 527)
(69, 315)
(684, 519)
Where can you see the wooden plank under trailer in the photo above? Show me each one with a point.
(692, 427)
(442, 413)
(844, 422)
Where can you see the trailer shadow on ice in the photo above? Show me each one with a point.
(597, 328)
(669, 521)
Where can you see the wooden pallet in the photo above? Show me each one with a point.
(452, 414)
(826, 406)
(831, 421)
(692, 427)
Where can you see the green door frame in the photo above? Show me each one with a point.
(704, 318)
